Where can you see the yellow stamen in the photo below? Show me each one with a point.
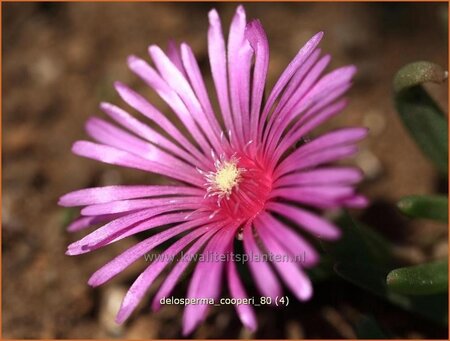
(226, 177)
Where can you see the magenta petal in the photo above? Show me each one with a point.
(146, 278)
(245, 312)
(291, 242)
(173, 52)
(171, 280)
(258, 41)
(176, 203)
(321, 176)
(292, 275)
(122, 261)
(217, 60)
(312, 223)
(146, 132)
(123, 227)
(209, 271)
(99, 195)
(265, 279)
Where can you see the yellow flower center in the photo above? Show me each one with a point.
(226, 177)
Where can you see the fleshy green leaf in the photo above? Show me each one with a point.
(372, 278)
(418, 111)
(358, 242)
(363, 257)
(425, 206)
(417, 73)
(424, 279)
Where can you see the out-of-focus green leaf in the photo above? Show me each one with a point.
(417, 73)
(367, 328)
(362, 257)
(358, 242)
(419, 113)
(425, 206)
(373, 279)
(424, 279)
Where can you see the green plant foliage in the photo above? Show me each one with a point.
(419, 113)
(362, 257)
(424, 279)
(433, 207)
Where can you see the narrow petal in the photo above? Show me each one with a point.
(198, 84)
(298, 248)
(179, 202)
(123, 227)
(119, 157)
(295, 163)
(139, 103)
(258, 41)
(321, 176)
(172, 279)
(182, 87)
(132, 254)
(319, 227)
(209, 271)
(100, 195)
(239, 70)
(146, 132)
(245, 312)
(292, 275)
(82, 223)
(265, 279)
(154, 80)
(302, 129)
(357, 201)
(339, 137)
(146, 278)
(298, 60)
(218, 63)
(285, 114)
(174, 54)
(321, 197)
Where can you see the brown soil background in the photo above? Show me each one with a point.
(59, 62)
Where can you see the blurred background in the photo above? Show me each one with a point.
(59, 62)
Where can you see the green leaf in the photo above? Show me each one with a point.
(373, 279)
(419, 113)
(368, 328)
(417, 73)
(424, 279)
(425, 206)
(359, 242)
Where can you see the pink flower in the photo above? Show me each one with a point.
(234, 180)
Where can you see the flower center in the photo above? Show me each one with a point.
(238, 188)
(226, 177)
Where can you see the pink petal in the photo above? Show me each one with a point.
(292, 275)
(139, 103)
(146, 278)
(123, 227)
(217, 60)
(172, 279)
(237, 290)
(146, 132)
(265, 279)
(209, 272)
(119, 157)
(258, 41)
(321, 176)
(291, 242)
(319, 227)
(99, 195)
